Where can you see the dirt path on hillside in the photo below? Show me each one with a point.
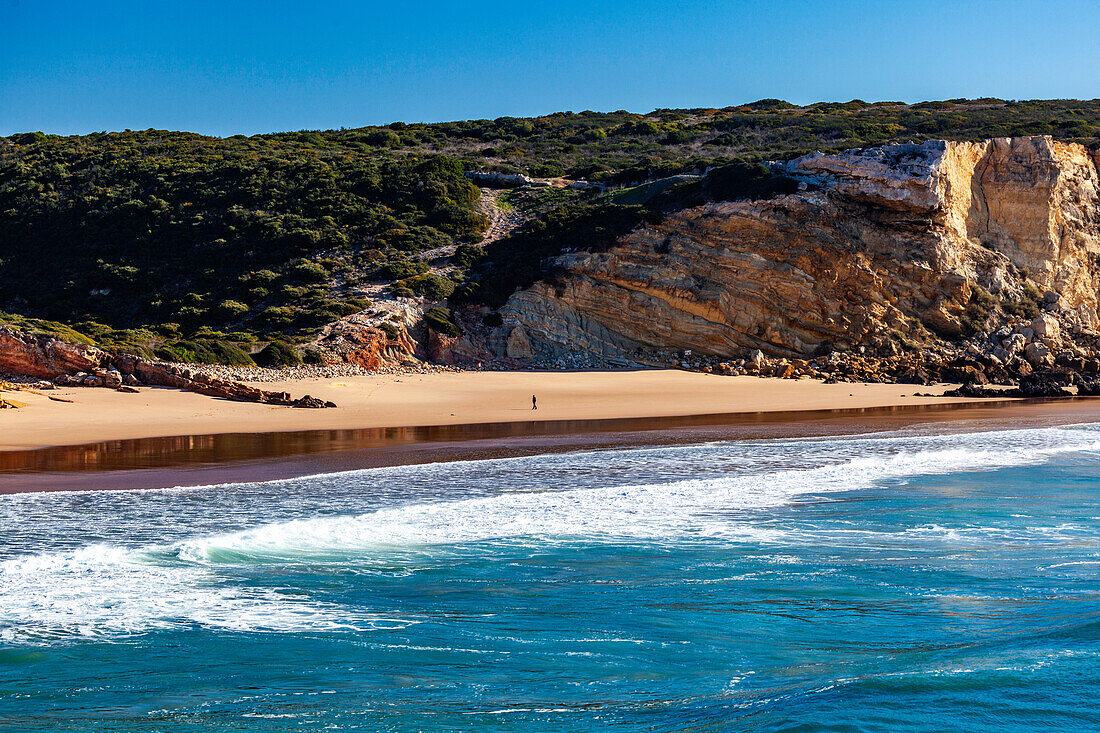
(503, 218)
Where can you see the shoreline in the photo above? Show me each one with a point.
(162, 438)
(436, 399)
(203, 460)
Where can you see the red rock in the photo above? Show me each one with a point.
(46, 357)
(67, 364)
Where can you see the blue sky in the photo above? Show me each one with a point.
(245, 67)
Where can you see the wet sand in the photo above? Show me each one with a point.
(236, 457)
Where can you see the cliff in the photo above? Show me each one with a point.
(891, 249)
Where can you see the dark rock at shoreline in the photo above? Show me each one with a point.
(1047, 383)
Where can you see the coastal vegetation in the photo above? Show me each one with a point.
(141, 228)
(194, 248)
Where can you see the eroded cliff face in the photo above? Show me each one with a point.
(881, 247)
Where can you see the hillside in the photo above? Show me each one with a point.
(621, 147)
(197, 248)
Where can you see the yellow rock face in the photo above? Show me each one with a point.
(882, 243)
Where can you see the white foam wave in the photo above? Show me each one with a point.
(703, 508)
(103, 591)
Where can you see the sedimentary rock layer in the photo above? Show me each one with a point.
(877, 245)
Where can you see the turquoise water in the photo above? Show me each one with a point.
(900, 582)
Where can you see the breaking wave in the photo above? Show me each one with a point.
(109, 591)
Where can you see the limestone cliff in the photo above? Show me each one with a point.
(882, 248)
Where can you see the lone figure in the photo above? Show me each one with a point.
(534, 403)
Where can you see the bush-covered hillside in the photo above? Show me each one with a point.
(152, 227)
(160, 238)
(627, 147)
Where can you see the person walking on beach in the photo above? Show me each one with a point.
(534, 403)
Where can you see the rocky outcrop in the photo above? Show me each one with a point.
(502, 180)
(892, 249)
(161, 374)
(44, 356)
(80, 365)
(373, 346)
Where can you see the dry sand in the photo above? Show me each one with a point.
(430, 399)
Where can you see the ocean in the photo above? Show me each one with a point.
(902, 581)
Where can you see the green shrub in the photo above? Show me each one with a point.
(639, 127)
(262, 277)
(679, 137)
(241, 336)
(357, 302)
(430, 286)
(416, 239)
(204, 352)
(292, 292)
(1027, 306)
(225, 352)
(400, 269)
(277, 317)
(192, 314)
(310, 272)
(1022, 308)
(439, 320)
(232, 309)
(383, 139)
(314, 317)
(976, 315)
(278, 354)
(546, 170)
(466, 254)
(44, 328)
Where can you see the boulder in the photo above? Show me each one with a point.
(1037, 354)
(1046, 384)
(1045, 326)
(1014, 344)
(112, 379)
(968, 374)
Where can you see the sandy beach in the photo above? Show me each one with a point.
(431, 399)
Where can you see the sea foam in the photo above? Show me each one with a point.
(105, 591)
(710, 508)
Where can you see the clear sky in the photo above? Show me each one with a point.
(244, 67)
